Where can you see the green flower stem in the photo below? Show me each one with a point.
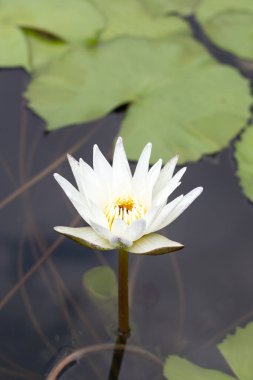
(123, 317)
(123, 312)
(117, 358)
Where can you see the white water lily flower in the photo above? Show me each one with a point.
(125, 210)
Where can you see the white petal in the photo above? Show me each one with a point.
(143, 163)
(166, 174)
(97, 215)
(157, 222)
(162, 196)
(182, 206)
(152, 177)
(92, 187)
(78, 200)
(154, 244)
(119, 227)
(74, 164)
(151, 215)
(120, 238)
(122, 176)
(135, 230)
(120, 156)
(85, 236)
(140, 185)
(102, 231)
(115, 241)
(100, 164)
(154, 172)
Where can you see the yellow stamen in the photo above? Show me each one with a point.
(127, 209)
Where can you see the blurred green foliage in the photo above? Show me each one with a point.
(101, 285)
(236, 349)
(88, 57)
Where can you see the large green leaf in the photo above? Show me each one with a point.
(244, 158)
(238, 352)
(182, 100)
(13, 49)
(183, 7)
(209, 8)
(43, 49)
(85, 84)
(177, 368)
(198, 112)
(233, 31)
(74, 21)
(131, 18)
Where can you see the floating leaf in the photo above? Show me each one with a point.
(244, 158)
(183, 7)
(198, 112)
(131, 18)
(209, 8)
(177, 368)
(43, 49)
(48, 16)
(183, 101)
(13, 47)
(85, 84)
(237, 349)
(101, 283)
(232, 30)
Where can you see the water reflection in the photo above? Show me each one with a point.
(182, 303)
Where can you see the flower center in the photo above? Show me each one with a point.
(127, 209)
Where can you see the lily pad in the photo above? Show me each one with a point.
(43, 49)
(182, 100)
(237, 349)
(86, 83)
(198, 112)
(131, 18)
(182, 7)
(100, 283)
(13, 47)
(177, 368)
(209, 8)
(50, 16)
(233, 31)
(244, 158)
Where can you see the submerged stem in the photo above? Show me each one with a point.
(118, 354)
(123, 316)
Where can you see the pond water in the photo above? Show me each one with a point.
(183, 303)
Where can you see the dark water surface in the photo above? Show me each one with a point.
(182, 303)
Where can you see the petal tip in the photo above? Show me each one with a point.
(200, 189)
(58, 229)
